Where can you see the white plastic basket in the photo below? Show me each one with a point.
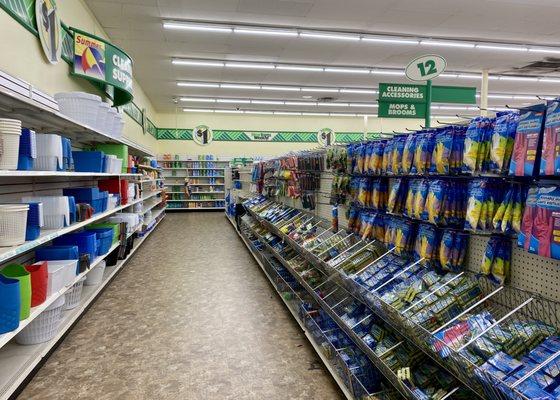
(112, 204)
(103, 117)
(83, 107)
(132, 220)
(44, 327)
(56, 210)
(49, 152)
(74, 295)
(113, 165)
(95, 276)
(13, 223)
(61, 274)
(9, 140)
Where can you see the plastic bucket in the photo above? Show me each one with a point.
(39, 282)
(88, 161)
(10, 303)
(17, 271)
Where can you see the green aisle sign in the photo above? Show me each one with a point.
(401, 110)
(402, 92)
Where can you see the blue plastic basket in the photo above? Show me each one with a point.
(88, 161)
(104, 201)
(67, 160)
(86, 242)
(104, 238)
(92, 196)
(33, 229)
(10, 303)
(27, 151)
(57, 253)
(72, 207)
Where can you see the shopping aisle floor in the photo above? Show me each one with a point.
(191, 317)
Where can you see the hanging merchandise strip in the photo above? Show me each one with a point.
(490, 338)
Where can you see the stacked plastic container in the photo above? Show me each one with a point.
(50, 154)
(56, 210)
(10, 132)
(132, 220)
(113, 165)
(86, 242)
(92, 195)
(27, 150)
(13, 223)
(34, 221)
(116, 186)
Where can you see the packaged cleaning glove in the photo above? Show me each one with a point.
(397, 193)
(420, 197)
(441, 156)
(452, 250)
(427, 242)
(408, 153)
(550, 158)
(386, 166)
(527, 142)
(496, 262)
(545, 237)
(423, 154)
(376, 158)
(397, 156)
(477, 145)
(503, 138)
(524, 237)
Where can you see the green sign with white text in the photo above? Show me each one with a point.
(402, 92)
(389, 109)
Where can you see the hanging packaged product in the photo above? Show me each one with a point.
(483, 199)
(550, 158)
(524, 238)
(441, 157)
(423, 153)
(397, 156)
(408, 154)
(453, 250)
(508, 216)
(477, 145)
(427, 243)
(497, 259)
(387, 155)
(503, 138)
(334, 221)
(527, 142)
(545, 233)
(337, 158)
(397, 195)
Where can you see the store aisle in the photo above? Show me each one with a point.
(190, 317)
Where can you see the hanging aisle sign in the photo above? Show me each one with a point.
(49, 29)
(425, 68)
(98, 60)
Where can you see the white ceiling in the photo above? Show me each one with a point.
(136, 26)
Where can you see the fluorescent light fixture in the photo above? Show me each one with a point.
(299, 68)
(448, 75)
(389, 40)
(199, 85)
(499, 96)
(357, 91)
(344, 115)
(445, 43)
(451, 108)
(197, 99)
(523, 97)
(198, 63)
(333, 104)
(347, 70)
(329, 36)
(286, 113)
(386, 72)
(502, 47)
(248, 65)
(281, 88)
(468, 76)
(319, 90)
(196, 27)
(300, 103)
(316, 114)
(229, 111)
(260, 112)
(236, 86)
(541, 50)
(271, 102)
(549, 80)
(266, 32)
(233, 101)
(197, 110)
(516, 78)
(362, 105)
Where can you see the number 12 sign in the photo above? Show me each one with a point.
(426, 67)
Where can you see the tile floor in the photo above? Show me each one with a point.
(191, 317)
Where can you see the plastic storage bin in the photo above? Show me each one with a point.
(17, 271)
(45, 326)
(57, 253)
(113, 165)
(10, 303)
(95, 276)
(114, 226)
(27, 150)
(98, 200)
(115, 186)
(13, 223)
(119, 150)
(67, 159)
(10, 132)
(56, 210)
(103, 118)
(86, 242)
(72, 209)
(34, 221)
(88, 161)
(132, 220)
(113, 201)
(39, 282)
(104, 237)
(49, 153)
(61, 274)
(82, 107)
(74, 295)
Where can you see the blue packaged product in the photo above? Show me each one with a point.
(397, 156)
(527, 141)
(505, 363)
(539, 354)
(532, 390)
(408, 153)
(503, 138)
(441, 156)
(550, 156)
(386, 166)
(552, 344)
(427, 242)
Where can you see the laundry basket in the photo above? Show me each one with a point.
(44, 327)
(83, 107)
(95, 276)
(17, 271)
(10, 132)
(10, 304)
(74, 295)
(13, 224)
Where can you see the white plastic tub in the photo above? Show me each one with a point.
(61, 274)
(44, 327)
(10, 131)
(49, 152)
(95, 276)
(74, 295)
(103, 117)
(83, 107)
(13, 223)
(132, 220)
(56, 210)
(113, 165)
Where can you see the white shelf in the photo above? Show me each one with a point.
(154, 217)
(148, 167)
(209, 169)
(17, 174)
(184, 161)
(49, 234)
(204, 176)
(195, 184)
(169, 169)
(41, 118)
(152, 194)
(151, 180)
(17, 362)
(194, 208)
(194, 201)
(145, 210)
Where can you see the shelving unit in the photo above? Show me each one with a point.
(188, 167)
